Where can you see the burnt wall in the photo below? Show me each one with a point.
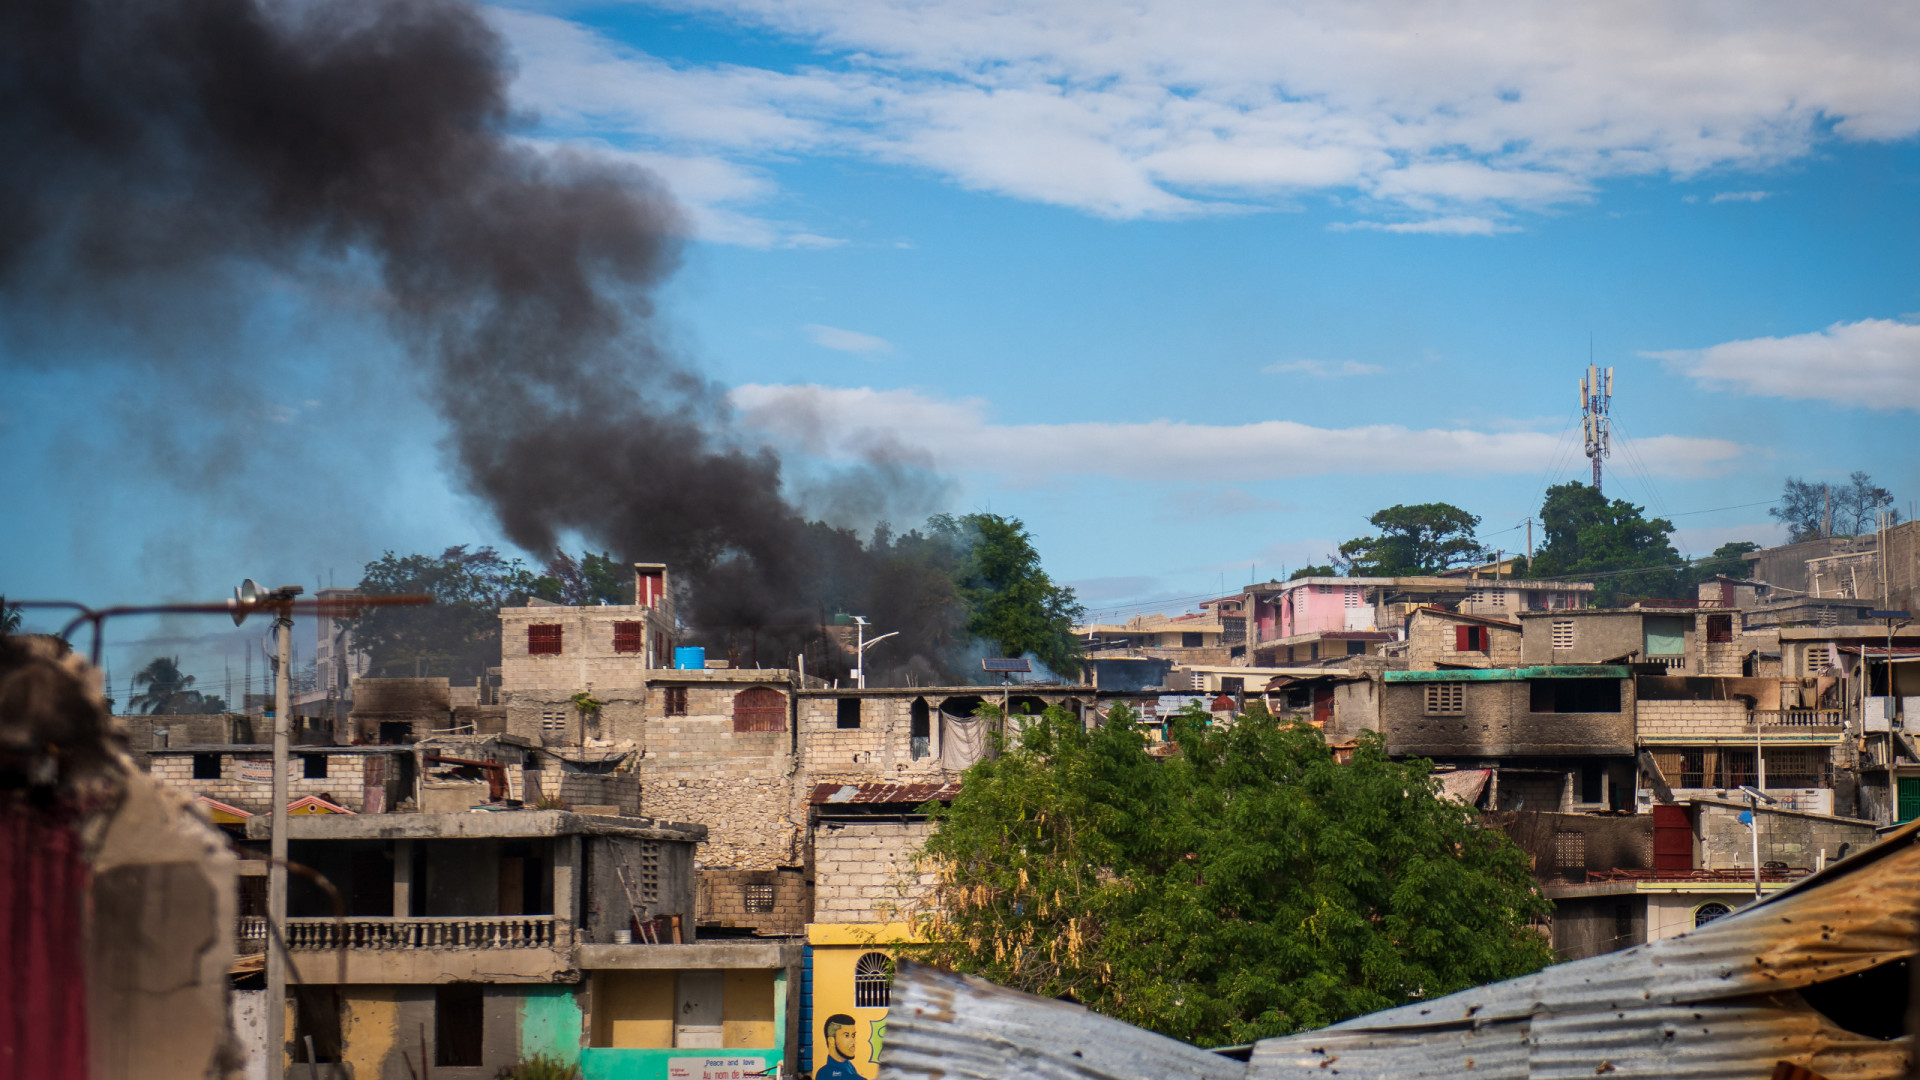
(764, 901)
(1497, 720)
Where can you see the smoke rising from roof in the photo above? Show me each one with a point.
(155, 152)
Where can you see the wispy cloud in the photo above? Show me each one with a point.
(1873, 363)
(1321, 369)
(848, 424)
(1451, 118)
(1741, 196)
(1208, 502)
(1445, 226)
(853, 341)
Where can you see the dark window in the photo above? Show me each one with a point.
(758, 708)
(1313, 651)
(313, 766)
(1592, 781)
(759, 899)
(1356, 648)
(872, 981)
(1574, 695)
(849, 712)
(1706, 913)
(919, 729)
(1623, 924)
(396, 732)
(1190, 640)
(543, 639)
(316, 1016)
(629, 636)
(459, 1011)
(206, 766)
(676, 701)
(1693, 768)
(1570, 852)
(1470, 639)
(1233, 684)
(1719, 628)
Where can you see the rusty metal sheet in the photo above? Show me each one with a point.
(864, 794)
(943, 1026)
(1496, 1051)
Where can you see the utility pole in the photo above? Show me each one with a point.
(247, 599)
(861, 645)
(1529, 545)
(1596, 398)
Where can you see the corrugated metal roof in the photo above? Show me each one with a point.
(906, 794)
(1540, 671)
(1717, 1003)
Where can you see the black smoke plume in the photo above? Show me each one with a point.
(151, 151)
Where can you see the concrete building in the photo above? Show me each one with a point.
(1194, 638)
(1438, 638)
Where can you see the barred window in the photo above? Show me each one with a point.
(1719, 629)
(1797, 767)
(676, 700)
(1570, 850)
(1563, 633)
(1446, 699)
(1706, 913)
(553, 722)
(759, 899)
(872, 981)
(629, 636)
(759, 708)
(1819, 658)
(543, 639)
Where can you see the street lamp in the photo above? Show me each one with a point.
(1754, 798)
(247, 599)
(860, 649)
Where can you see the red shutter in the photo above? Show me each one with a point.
(543, 639)
(759, 709)
(1463, 639)
(1672, 838)
(1322, 705)
(628, 637)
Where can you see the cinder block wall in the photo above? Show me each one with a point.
(725, 901)
(1791, 838)
(1667, 718)
(861, 871)
(344, 784)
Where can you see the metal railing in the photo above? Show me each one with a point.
(475, 932)
(1812, 718)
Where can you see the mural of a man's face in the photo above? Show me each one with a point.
(843, 1037)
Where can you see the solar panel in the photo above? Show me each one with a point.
(1003, 664)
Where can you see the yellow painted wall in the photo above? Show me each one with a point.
(833, 993)
(746, 1009)
(633, 1009)
(372, 1024)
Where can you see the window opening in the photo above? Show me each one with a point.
(759, 899)
(543, 639)
(629, 637)
(313, 766)
(1446, 699)
(1622, 923)
(1570, 850)
(919, 729)
(1708, 912)
(1719, 629)
(459, 1011)
(1573, 695)
(759, 708)
(847, 712)
(206, 766)
(676, 701)
(872, 981)
(1563, 633)
(1192, 640)
(553, 722)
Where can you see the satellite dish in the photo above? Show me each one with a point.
(246, 597)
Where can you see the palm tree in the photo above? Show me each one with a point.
(9, 617)
(165, 686)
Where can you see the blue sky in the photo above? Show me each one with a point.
(1190, 289)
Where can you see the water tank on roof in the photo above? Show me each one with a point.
(690, 658)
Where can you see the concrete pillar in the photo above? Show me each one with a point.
(567, 878)
(402, 878)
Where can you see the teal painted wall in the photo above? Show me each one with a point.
(550, 1022)
(605, 1064)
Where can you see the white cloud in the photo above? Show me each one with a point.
(1446, 226)
(1873, 363)
(1741, 196)
(851, 424)
(1321, 368)
(853, 341)
(1168, 107)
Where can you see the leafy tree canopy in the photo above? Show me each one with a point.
(1855, 506)
(1588, 535)
(1246, 886)
(165, 689)
(1423, 539)
(458, 635)
(586, 581)
(1312, 571)
(1726, 561)
(9, 617)
(1010, 600)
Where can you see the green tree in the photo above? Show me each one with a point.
(1311, 571)
(1423, 539)
(458, 635)
(1010, 600)
(1726, 561)
(1614, 543)
(1854, 506)
(1248, 885)
(1858, 503)
(9, 617)
(1802, 509)
(166, 689)
(586, 581)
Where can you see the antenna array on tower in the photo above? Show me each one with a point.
(1596, 397)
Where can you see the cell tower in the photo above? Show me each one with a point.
(1596, 396)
